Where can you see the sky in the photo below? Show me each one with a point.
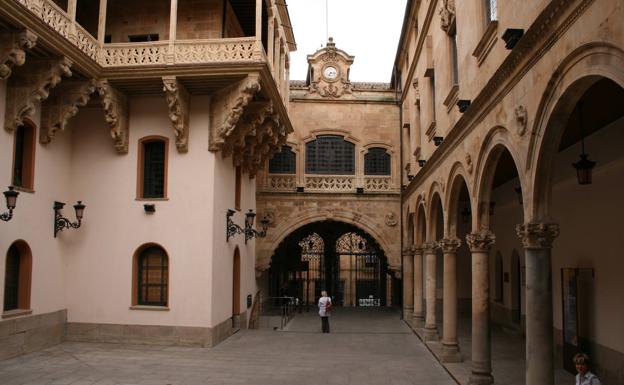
(366, 29)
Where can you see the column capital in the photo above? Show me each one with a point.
(417, 250)
(429, 247)
(537, 235)
(480, 241)
(449, 245)
(408, 251)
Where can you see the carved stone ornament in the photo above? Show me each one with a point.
(391, 219)
(469, 166)
(418, 250)
(447, 15)
(13, 46)
(449, 245)
(32, 85)
(521, 119)
(115, 104)
(227, 109)
(178, 102)
(537, 235)
(480, 241)
(429, 247)
(62, 105)
(407, 251)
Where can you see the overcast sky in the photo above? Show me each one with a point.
(366, 29)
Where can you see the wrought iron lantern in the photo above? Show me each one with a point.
(11, 200)
(437, 140)
(422, 162)
(250, 232)
(61, 223)
(584, 166)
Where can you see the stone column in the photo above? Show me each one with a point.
(480, 243)
(431, 331)
(259, 21)
(408, 285)
(450, 347)
(537, 240)
(419, 314)
(102, 21)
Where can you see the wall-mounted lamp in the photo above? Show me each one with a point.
(11, 200)
(421, 162)
(463, 105)
(410, 177)
(437, 140)
(518, 191)
(511, 36)
(584, 166)
(231, 228)
(61, 223)
(149, 208)
(359, 190)
(250, 232)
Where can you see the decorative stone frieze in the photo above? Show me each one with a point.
(329, 183)
(537, 235)
(447, 15)
(13, 47)
(115, 104)
(32, 85)
(449, 245)
(480, 241)
(62, 105)
(178, 102)
(521, 116)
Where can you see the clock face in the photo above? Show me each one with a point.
(330, 72)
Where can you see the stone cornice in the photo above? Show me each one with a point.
(548, 27)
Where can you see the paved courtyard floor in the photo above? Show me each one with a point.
(366, 346)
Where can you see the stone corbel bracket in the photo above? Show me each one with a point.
(270, 137)
(115, 104)
(33, 85)
(13, 46)
(227, 110)
(447, 15)
(178, 102)
(63, 105)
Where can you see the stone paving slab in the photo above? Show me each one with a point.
(365, 347)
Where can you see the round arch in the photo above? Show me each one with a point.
(495, 144)
(351, 217)
(19, 255)
(576, 74)
(421, 224)
(457, 178)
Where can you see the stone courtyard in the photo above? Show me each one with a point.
(372, 348)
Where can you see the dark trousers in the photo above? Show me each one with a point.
(325, 324)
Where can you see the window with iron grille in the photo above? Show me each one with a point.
(153, 177)
(330, 154)
(284, 162)
(377, 162)
(153, 277)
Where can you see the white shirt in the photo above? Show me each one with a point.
(322, 304)
(588, 379)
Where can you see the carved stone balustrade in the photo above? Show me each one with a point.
(330, 183)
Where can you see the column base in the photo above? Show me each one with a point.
(418, 320)
(481, 379)
(430, 334)
(408, 313)
(450, 353)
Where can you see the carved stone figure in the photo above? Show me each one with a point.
(178, 102)
(13, 46)
(522, 119)
(447, 15)
(115, 104)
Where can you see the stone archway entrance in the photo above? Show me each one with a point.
(333, 256)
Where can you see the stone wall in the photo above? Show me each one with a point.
(30, 333)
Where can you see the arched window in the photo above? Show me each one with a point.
(153, 167)
(330, 154)
(284, 162)
(151, 278)
(24, 156)
(17, 277)
(377, 162)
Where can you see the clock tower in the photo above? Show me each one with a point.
(328, 72)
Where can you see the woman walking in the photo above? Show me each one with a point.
(324, 305)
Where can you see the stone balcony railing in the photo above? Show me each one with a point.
(378, 184)
(329, 183)
(282, 182)
(246, 49)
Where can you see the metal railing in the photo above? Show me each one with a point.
(284, 307)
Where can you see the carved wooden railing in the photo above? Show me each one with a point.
(282, 182)
(330, 183)
(246, 49)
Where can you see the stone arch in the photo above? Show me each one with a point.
(435, 195)
(420, 235)
(576, 73)
(454, 183)
(496, 142)
(22, 274)
(357, 219)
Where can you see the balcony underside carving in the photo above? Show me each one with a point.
(13, 47)
(62, 105)
(178, 102)
(30, 85)
(115, 104)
